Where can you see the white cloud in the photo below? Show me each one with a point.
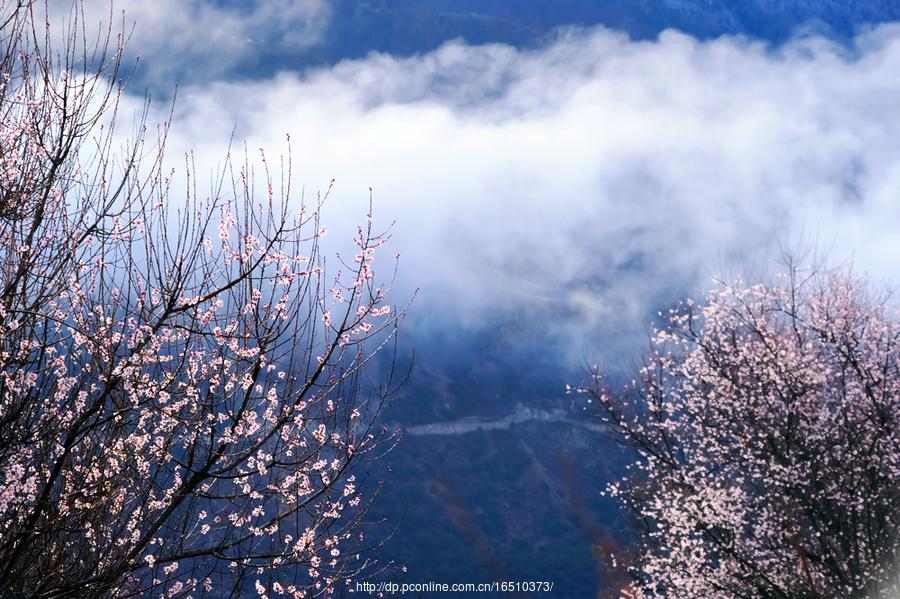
(581, 184)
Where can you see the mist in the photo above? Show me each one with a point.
(580, 186)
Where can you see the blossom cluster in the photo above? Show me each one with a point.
(182, 406)
(767, 421)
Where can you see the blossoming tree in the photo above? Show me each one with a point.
(767, 424)
(182, 411)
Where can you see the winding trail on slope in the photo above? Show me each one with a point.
(520, 415)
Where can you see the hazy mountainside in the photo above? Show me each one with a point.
(518, 503)
(498, 472)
